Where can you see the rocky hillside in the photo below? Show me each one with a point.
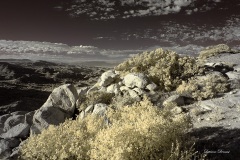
(152, 106)
(27, 83)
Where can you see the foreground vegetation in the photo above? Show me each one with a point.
(139, 131)
(133, 130)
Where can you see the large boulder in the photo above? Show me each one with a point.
(64, 98)
(132, 80)
(59, 106)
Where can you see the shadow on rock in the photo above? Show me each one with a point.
(218, 143)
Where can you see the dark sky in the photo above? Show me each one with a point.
(37, 20)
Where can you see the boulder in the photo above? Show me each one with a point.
(124, 88)
(233, 75)
(107, 78)
(89, 109)
(19, 131)
(82, 115)
(132, 80)
(100, 109)
(113, 88)
(59, 106)
(134, 95)
(46, 116)
(15, 125)
(64, 98)
(151, 87)
(13, 121)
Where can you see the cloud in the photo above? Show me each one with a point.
(108, 9)
(59, 52)
(182, 2)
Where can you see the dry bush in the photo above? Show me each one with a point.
(214, 50)
(165, 68)
(120, 100)
(139, 131)
(69, 140)
(93, 98)
(204, 88)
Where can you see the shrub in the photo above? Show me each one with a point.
(95, 97)
(205, 87)
(69, 140)
(165, 68)
(139, 131)
(214, 50)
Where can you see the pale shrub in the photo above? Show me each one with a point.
(69, 140)
(139, 131)
(204, 88)
(214, 50)
(165, 68)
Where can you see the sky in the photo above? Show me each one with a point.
(121, 24)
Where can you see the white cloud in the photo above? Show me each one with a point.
(182, 2)
(111, 9)
(143, 12)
